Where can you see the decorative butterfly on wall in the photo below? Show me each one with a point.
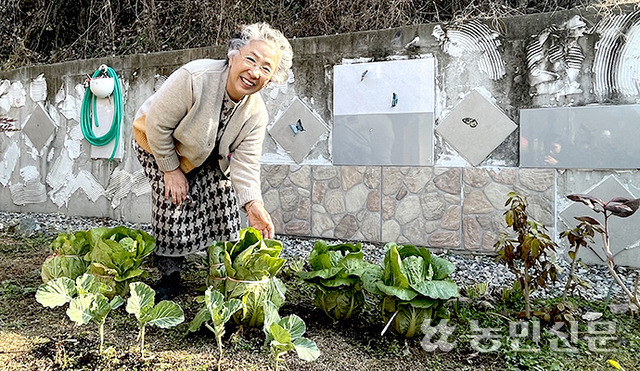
(297, 127)
(470, 121)
(363, 75)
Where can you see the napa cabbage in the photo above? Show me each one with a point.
(67, 259)
(338, 273)
(246, 270)
(414, 287)
(117, 254)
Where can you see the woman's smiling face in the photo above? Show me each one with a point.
(251, 69)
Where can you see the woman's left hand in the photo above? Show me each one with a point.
(260, 219)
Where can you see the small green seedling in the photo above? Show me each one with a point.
(219, 312)
(89, 305)
(285, 334)
(141, 304)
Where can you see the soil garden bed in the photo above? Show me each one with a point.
(33, 337)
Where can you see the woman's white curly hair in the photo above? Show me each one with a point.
(264, 32)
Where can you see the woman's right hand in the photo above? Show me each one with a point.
(176, 186)
(260, 219)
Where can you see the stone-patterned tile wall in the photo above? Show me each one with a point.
(421, 206)
(485, 194)
(346, 202)
(286, 192)
(447, 208)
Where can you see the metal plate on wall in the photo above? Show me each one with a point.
(298, 130)
(594, 137)
(105, 111)
(379, 139)
(475, 128)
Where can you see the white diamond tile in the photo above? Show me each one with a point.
(298, 143)
(475, 128)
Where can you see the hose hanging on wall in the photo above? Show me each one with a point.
(103, 82)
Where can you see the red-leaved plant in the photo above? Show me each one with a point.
(527, 253)
(619, 206)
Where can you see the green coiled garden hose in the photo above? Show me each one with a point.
(89, 103)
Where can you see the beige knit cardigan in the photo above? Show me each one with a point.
(179, 123)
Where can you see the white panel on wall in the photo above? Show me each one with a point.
(367, 88)
(399, 139)
(381, 109)
(593, 137)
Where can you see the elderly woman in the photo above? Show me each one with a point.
(199, 140)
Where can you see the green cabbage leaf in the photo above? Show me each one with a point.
(67, 259)
(117, 254)
(414, 286)
(246, 270)
(339, 274)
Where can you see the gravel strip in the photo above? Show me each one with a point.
(470, 269)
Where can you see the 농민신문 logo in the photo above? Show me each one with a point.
(599, 336)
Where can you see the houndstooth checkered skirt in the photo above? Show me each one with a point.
(211, 213)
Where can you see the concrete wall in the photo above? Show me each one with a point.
(485, 70)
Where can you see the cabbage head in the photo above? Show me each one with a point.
(117, 254)
(414, 287)
(67, 259)
(246, 270)
(338, 273)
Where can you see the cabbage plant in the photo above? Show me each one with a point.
(337, 275)
(117, 254)
(86, 299)
(141, 303)
(67, 259)
(285, 334)
(246, 270)
(414, 286)
(218, 312)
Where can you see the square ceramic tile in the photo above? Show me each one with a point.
(594, 137)
(39, 127)
(297, 130)
(383, 139)
(623, 232)
(475, 128)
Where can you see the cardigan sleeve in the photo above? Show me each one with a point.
(169, 106)
(244, 164)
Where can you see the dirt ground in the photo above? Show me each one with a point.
(33, 337)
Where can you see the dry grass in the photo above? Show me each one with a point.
(40, 31)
